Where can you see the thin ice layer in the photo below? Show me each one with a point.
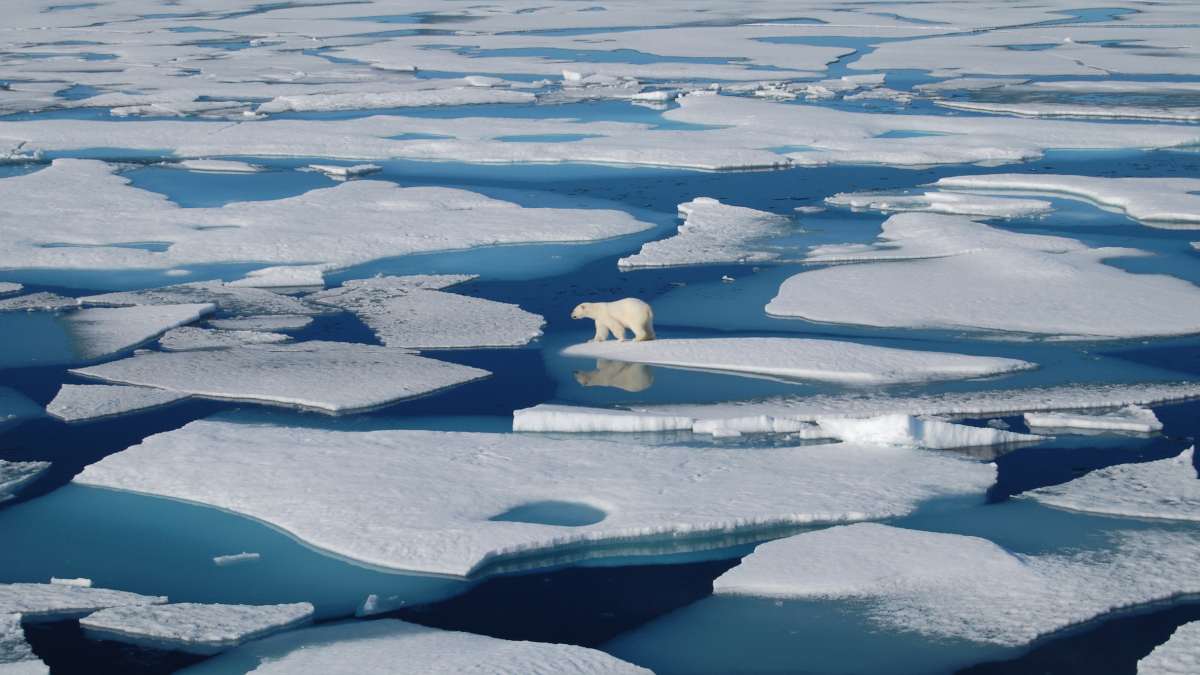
(1166, 489)
(193, 627)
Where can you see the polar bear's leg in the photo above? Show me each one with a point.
(644, 330)
(601, 331)
(617, 328)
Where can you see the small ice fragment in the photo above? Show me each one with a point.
(82, 582)
(235, 559)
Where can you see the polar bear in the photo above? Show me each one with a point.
(616, 316)
(618, 374)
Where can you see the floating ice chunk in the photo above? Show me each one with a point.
(954, 586)
(1040, 109)
(287, 276)
(215, 166)
(58, 602)
(85, 402)
(7, 287)
(81, 582)
(263, 322)
(346, 172)
(469, 95)
(711, 232)
(15, 406)
(37, 302)
(802, 359)
(917, 432)
(226, 297)
(988, 280)
(650, 496)
(236, 559)
(942, 202)
(16, 656)
(411, 312)
(191, 337)
(16, 475)
(192, 627)
(1180, 655)
(1165, 489)
(550, 417)
(103, 331)
(1130, 418)
(1159, 202)
(403, 648)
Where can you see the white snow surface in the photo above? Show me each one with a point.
(7, 287)
(1129, 418)
(412, 312)
(16, 475)
(400, 648)
(42, 301)
(1167, 489)
(226, 297)
(711, 233)
(57, 602)
(102, 331)
(192, 627)
(802, 359)
(215, 166)
(16, 656)
(399, 99)
(577, 419)
(344, 172)
(941, 202)
(414, 523)
(335, 377)
(283, 276)
(963, 275)
(910, 431)
(1179, 655)
(1038, 109)
(193, 337)
(263, 322)
(955, 586)
(83, 402)
(1159, 202)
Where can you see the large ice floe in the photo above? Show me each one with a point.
(403, 648)
(16, 656)
(102, 331)
(967, 588)
(802, 359)
(1166, 489)
(1167, 202)
(414, 312)
(939, 271)
(62, 217)
(1180, 655)
(711, 233)
(516, 498)
(193, 627)
(85, 402)
(16, 475)
(1131, 418)
(58, 602)
(335, 377)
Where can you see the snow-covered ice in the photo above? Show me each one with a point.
(910, 431)
(399, 99)
(413, 312)
(58, 602)
(102, 331)
(16, 475)
(345, 172)
(283, 276)
(336, 377)
(16, 656)
(711, 233)
(802, 359)
(215, 166)
(225, 297)
(576, 419)
(1167, 489)
(7, 287)
(1129, 418)
(42, 301)
(263, 322)
(955, 586)
(1038, 109)
(1180, 655)
(83, 402)
(668, 495)
(193, 337)
(78, 581)
(192, 627)
(402, 648)
(941, 202)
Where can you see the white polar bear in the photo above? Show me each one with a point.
(616, 316)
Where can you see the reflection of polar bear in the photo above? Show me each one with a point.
(618, 374)
(615, 317)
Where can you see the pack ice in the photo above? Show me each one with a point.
(84, 402)
(1179, 655)
(16, 656)
(711, 233)
(193, 627)
(186, 338)
(668, 497)
(941, 202)
(1131, 418)
(58, 602)
(1166, 489)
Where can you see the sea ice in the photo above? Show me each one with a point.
(567, 418)
(1040, 109)
(942, 202)
(187, 338)
(712, 232)
(1180, 655)
(263, 322)
(413, 312)
(16, 475)
(655, 497)
(235, 559)
(285, 276)
(58, 602)
(401, 648)
(215, 166)
(84, 402)
(1166, 489)
(398, 99)
(910, 431)
(955, 586)
(103, 331)
(192, 627)
(345, 172)
(335, 377)
(7, 287)
(1129, 418)
(802, 359)
(16, 656)
(37, 302)
(225, 297)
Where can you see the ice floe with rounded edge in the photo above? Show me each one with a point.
(193, 627)
(1179, 655)
(1159, 202)
(979, 278)
(42, 301)
(16, 656)
(941, 202)
(58, 602)
(803, 359)
(667, 497)
(7, 287)
(711, 233)
(1167, 489)
(1129, 418)
(193, 337)
(333, 377)
(401, 648)
(84, 402)
(413, 312)
(226, 297)
(955, 586)
(284, 276)
(102, 331)
(263, 322)
(14, 476)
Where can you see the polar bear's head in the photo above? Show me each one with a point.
(582, 311)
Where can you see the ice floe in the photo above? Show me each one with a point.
(43, 301)
(414, 312)
(225, 297)
(647, 496)
(263, 322)
(84, 402)
(7, 287)
(576, 419)
(1038, 109)
(285, 276)
(102, 331)
(215, 166)
(1179, 655)
(192, 337)
(1167, 488)
(345, 172)
(1129, 418)
(16, 656)
(335, 377)
(403, 648)
(712, 232)
(1160, 202)
(236, 559)
(398, 99)
(58, 602)
(955, 586)
(192, 627)
(910, 431)
(942, 202)
(802, 359)
(961, 274)
(16, 475)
